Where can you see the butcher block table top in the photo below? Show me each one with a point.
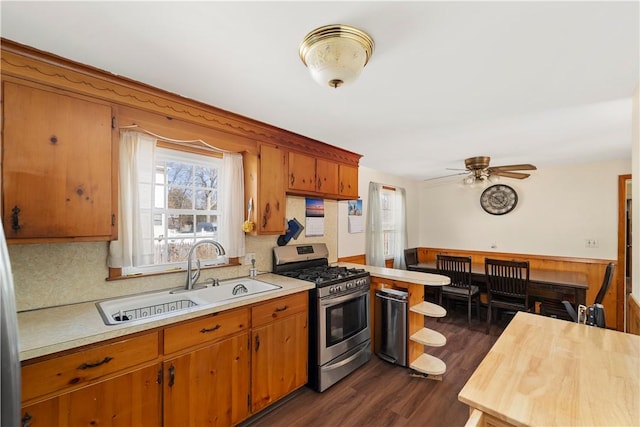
(550, 372)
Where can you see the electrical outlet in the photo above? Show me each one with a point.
(248, 257)
(591, 243)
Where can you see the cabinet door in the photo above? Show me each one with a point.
(132, 399)
(326, 176)
(56, 165)
(209, 386)
(348, 182)
(279, 359)
(271, 190)
(302, 172)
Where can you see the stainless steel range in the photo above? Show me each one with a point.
(339, 321)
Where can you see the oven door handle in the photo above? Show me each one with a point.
(324, 302)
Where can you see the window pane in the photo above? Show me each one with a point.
(180, 198)
(206, 200)
(179, 173)
(206, 177)
(186, 206)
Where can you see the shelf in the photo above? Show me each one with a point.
(428, 364)
(429, 309)
(429, 337)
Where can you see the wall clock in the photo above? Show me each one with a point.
(499, 199)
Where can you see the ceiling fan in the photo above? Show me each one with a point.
(478, 170)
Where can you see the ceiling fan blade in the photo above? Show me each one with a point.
(445, 176)
(516, 175)
(507, 168)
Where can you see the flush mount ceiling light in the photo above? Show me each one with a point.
(336, 54)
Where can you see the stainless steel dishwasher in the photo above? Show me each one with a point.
(391, 325)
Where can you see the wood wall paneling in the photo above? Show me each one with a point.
(593, 268)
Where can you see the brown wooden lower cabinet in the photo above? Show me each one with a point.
(279, 363)
(132, 399)
(208, 386)
(215, 370)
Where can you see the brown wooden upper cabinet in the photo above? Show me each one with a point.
(318, 176)
(264, 177)
(56, 166)
(310, 174)
(348, 187)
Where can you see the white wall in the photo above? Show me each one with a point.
(354, 243)
(558, 208)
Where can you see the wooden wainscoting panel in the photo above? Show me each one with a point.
(355, 259)
(593, 268)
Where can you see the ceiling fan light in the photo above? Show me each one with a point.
(336, 54)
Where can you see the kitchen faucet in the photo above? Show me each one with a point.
(193, 278)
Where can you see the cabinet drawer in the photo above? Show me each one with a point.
(58, 373)
(278, 308)
(206, 329)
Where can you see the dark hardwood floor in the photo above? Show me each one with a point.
(381, 394)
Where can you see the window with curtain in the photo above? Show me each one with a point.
(169, 199)
(386, 231)
(388, 218)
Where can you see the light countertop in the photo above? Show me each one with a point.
(415, 277)
(50, 330)
(549, 372)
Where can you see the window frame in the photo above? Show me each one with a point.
(186, 150)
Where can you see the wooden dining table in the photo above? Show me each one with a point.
(548, 372)
(547, 287)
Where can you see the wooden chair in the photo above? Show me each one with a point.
(507, 286)
(410, 257)
(597, 303)
(458, 269)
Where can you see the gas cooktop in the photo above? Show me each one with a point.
(310, 263)
(326, 275)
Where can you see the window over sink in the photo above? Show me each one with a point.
(170, 198)
(186, 204)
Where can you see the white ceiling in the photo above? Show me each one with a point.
(523, 82)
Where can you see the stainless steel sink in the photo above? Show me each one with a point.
(157, 305)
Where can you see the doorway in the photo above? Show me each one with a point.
(623, 279)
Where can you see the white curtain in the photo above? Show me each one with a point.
(232, 198)
(374, 250)
(134, 246)
(401, 229)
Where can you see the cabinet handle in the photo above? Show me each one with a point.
(267, 214)
(341, 187)
(257, 342)
(319, 184)
(172, 375)
(95, 365)
(53, 139)
(278, 309)
(292, 179)
(15, 218)
(26, 420)
(205, 330)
